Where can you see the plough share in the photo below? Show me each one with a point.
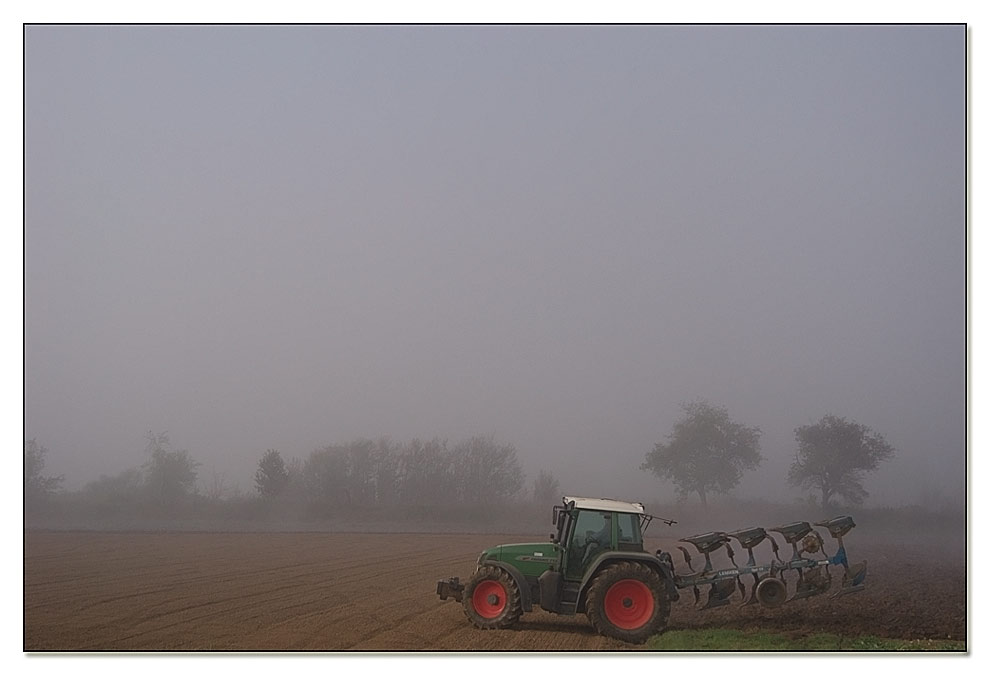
(769, 584)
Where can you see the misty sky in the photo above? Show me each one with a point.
(286, 237)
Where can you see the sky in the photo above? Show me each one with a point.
(285, 237)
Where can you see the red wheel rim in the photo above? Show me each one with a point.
(628, 604)
(488, 599)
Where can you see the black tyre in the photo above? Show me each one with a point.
(628, 602)
(491, 598)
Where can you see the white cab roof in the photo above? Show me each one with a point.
(605, 505)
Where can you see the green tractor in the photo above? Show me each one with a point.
(595, 564)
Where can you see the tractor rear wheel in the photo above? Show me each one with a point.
(491, 598)
(628, 602)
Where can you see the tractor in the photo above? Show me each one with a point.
(595, 564)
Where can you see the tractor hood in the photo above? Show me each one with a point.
(531, 559)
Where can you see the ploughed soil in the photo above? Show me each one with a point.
(376, 592)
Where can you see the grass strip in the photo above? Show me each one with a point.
(721, 639)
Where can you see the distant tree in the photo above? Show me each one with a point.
(108, 494)
(546, 489)
(425, 474)
(385, 469)
(271, 478)
(706, 452)
(485, 472)
(37, 487)
(324, 477)
(359, 474)
(295, 484)
(371, 471)
(834, 455)
(170, 474)
(217, 488)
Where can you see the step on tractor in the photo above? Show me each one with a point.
(594, 564)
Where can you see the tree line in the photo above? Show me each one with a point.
(417, 477)
(478, 471)
(706, 453)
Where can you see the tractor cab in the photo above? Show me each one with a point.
(587, 528)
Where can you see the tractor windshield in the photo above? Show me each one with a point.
(629, 536)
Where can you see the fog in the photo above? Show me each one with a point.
(289, 237)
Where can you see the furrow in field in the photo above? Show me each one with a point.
(312, 591)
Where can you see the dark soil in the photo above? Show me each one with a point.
(376, 592)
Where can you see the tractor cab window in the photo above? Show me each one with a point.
(592, 534)
(628, 536)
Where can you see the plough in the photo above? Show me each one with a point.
(769, 587)
(595, 564)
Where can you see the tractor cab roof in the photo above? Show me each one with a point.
(591, 504)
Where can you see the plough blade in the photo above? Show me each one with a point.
(810, 561)
(846, 590)
(855, 575)
(812, 583)
(719, 592)
(852, 580)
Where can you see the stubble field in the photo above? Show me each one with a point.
(376, 592)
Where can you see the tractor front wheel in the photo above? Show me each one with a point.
(627, 602)
(491, 598)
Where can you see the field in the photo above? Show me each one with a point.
(376, 592)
